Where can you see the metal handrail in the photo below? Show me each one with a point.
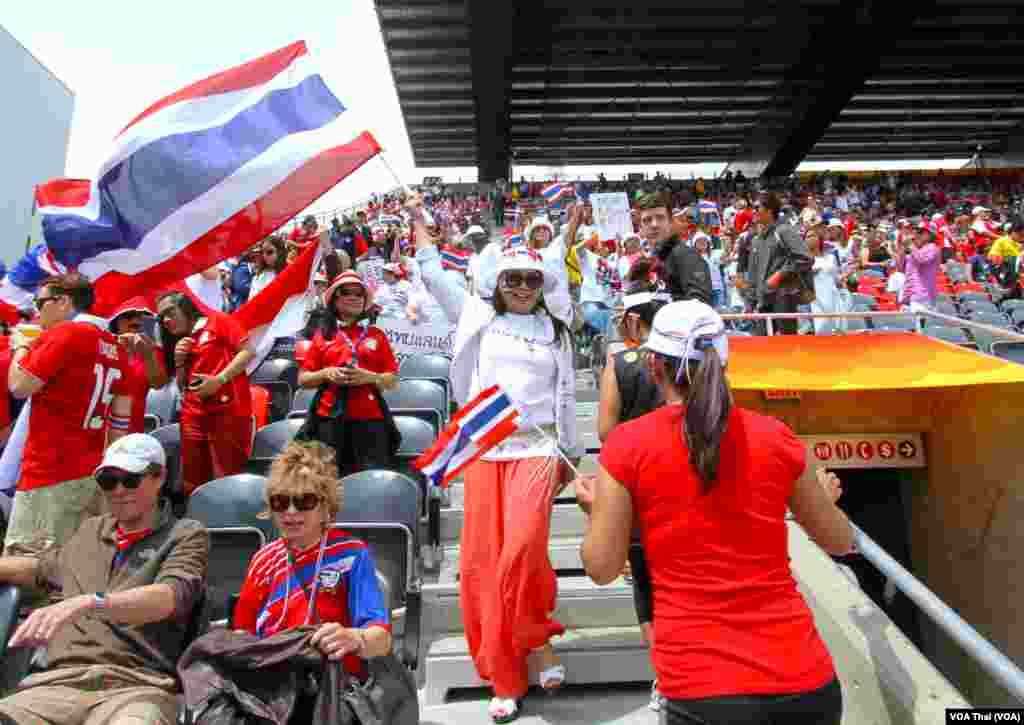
(918, 317)
(994, 662)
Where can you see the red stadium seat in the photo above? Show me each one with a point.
(260, 405)
(301, 348)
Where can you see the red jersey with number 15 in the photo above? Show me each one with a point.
(82, 368)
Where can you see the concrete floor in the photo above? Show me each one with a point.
(574, 705)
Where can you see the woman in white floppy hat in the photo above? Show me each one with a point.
(709, 484)
(521, 340)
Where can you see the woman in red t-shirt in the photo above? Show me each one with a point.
(209, 358)
(350, 364)
(709, 485)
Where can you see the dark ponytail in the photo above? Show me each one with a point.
(708, 405)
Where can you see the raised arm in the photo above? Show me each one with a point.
(446, 291)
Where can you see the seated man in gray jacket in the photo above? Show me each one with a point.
(131, 581)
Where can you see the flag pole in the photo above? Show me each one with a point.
(558, 448)
(427, 218)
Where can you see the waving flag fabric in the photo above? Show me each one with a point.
(456, 259)
(198, 177)
(480, 425)
(552, 192)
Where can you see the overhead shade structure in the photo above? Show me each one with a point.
(866, 361)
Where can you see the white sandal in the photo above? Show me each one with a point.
(502, 710)
(552, 678)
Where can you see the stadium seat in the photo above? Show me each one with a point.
(417, 436)
(260, 405)
(864, 300)
(10, 600)
(895, 323)
(269, 441)
(382, 509)
(170, 438)
(973, 305)
(986, 317)
(301, 402)
(873, 273)
(955, 335)
(1017, 315)
(429, 365)
(231, 502)
(947, 308)
(231, 550)
(1010, 306)
(419, 394)
(281, 378)
(301, 348)
(164, 404)
(856, 324)
(1008, 350)
(229, 508)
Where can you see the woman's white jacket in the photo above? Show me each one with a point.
(472, 315)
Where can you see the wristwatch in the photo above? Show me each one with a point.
(99, 601)
(223, 379)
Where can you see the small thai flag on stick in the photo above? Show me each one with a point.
(552, 192)
(480, 425)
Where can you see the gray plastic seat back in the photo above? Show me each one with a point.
(170, 438)
(231, 502)
(429, 365)
(417, 393)
(231, 550)
(386, 498)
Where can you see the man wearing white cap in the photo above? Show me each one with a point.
(709, 484)
(131, 581)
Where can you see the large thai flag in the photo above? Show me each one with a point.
(196, 178)
(480, 425)
(552, 192)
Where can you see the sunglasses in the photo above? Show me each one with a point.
(108, 481)
(532, 280)
(40, 302)
(268, 252)
(349, 292)
(279, 502)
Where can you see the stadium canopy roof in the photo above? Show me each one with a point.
(763, 85)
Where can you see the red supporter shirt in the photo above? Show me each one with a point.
(82, 368)
(137, 386)
(743, 219)
(728, 618)
(5, 367)
(218, 338)
(374, 354)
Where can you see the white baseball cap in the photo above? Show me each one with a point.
(685, 329)
(475, 229)
(134, 453)
(979, 210)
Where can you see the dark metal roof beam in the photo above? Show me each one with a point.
(776, 148)
(492, 27)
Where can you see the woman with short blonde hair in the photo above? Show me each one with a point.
(314, 574)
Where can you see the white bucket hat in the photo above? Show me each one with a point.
(525, 259)
(685, 329)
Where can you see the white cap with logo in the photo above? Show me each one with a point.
(685, 329)
(134, 453)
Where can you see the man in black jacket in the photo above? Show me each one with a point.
(685, 273)
(778, 258)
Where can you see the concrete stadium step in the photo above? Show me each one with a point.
(563, 551)
(566, 520)
(591, 656)
(885, 679)
(575, 705)
(581, 604)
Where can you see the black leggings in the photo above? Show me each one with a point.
(642, 594)
(818, 707)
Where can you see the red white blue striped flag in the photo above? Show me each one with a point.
(480, 425)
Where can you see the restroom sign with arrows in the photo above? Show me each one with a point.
(865, 450)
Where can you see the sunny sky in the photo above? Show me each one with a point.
(118, 57)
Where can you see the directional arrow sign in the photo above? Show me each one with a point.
(907, 449)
